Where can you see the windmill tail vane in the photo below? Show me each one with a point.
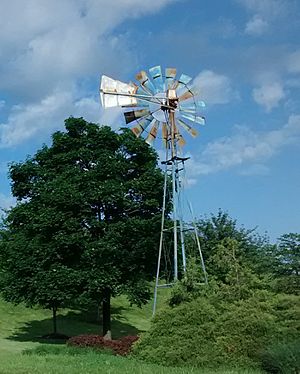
(162, 103)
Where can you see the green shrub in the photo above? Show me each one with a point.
(282, 358)
(217, 329)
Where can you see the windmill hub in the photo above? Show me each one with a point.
(158, 108)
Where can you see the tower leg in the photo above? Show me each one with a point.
(198, 244)
(161, 237)
(174, 197)
(180, 215)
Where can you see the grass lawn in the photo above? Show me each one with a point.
(21, 330)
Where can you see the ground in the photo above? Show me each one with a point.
(21, 330)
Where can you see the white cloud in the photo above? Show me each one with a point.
(28, 121)
(268, 8)
(269, 95)
(245, 149)
(6, 201)
(50, 44)
(265, 13)
(51, 49)
(256, 26)
(214, 88)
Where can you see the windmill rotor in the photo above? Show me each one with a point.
(156, 100)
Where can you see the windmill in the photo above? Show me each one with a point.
(162, 101)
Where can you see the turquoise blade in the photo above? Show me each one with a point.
(157, 78)
(194, 118)
(183, 81)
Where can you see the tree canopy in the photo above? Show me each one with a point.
(86, 222)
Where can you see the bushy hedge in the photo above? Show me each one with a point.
(220, 329)
(282, 358)
(121, 347)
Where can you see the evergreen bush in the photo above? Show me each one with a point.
(220, 328)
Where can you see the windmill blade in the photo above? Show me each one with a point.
(142, 125)
(178, 137)
(170, 77)
(192, 106)
(194, 118)
(157, 78)
(188, 111)
(180, 140)
(165, 134)
(136, 114)
(153, 132)
(143, 78)
(188, 94)
(182, 81)
(188, 128)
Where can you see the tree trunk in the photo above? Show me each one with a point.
(54, 310)
(106, 320)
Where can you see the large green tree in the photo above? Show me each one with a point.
(86, 222)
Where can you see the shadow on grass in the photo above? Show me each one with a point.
(71, 324)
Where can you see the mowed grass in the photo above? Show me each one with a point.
(23, 350)
(91, 362)
(22, 327)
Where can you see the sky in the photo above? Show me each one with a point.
(244, 55)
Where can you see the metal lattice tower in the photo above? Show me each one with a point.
(169, 103)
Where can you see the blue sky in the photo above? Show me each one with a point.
(243, 54)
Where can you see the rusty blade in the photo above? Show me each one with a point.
(188, 128)
(141, 126)
(145, 81)
(186, 95)
(153, 132)
(180, 140)
(170, 77)
(135, 114)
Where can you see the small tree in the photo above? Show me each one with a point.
(226, 245)
(87, 220)
(287, 263)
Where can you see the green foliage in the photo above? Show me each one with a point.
(287, 263)
(282, 358)
(232, 253)
(220, 328)
(87, 219)
(190, 286)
